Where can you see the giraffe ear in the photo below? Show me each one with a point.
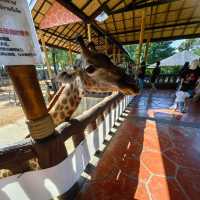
(64, 77)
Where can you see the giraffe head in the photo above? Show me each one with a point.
(78, 77)
(99, 67)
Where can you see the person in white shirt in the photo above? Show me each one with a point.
(180, 100)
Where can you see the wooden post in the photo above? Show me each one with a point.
(114, 52)
(147, 48)
(106, 44)
(46, 57)
(70, 54)
(27, 87)
(141, 36)
(89, 32)
(50, 152)
(119, 56)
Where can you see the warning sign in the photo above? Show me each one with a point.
(18, 41)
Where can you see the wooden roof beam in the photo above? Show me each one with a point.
(70, 6)
(140, 5)
(103, 7)
(55, 34)
(196, 35)
(158, 27)
(57, 47)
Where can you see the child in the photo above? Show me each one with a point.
(181, 96)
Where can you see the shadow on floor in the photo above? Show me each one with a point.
(155, 154)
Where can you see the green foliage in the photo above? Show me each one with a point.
(61, 57)
(132, 51)
(190, 45)
(157, 51)
(165, 70)
(197, 51)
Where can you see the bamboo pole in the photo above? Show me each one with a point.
(89, 32)
(141, 37)
(147, 48)
(70, 54)
(46, 57)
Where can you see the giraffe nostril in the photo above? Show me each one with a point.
(90, 69)
(69, 76)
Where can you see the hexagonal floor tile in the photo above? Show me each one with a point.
(186, 157)
(158, 164)
(165, 189)
(118, 187)
(190, 181)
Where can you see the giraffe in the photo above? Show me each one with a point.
(76, 83)
(97, 74)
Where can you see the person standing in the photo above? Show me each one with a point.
(184, 70)
(180, 101)
(155, 74)
(141, 75)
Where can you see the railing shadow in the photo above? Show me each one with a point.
(137, 164)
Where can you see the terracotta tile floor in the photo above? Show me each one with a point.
(154, 155)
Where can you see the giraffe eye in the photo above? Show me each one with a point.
(90, 69)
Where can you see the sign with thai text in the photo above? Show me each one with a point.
(18, 40)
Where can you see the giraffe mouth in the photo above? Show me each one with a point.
(128, 86)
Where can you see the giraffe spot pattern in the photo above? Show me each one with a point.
(71, 101)
(62, 115)
(55, 115)
(66, 107)
(64, 101)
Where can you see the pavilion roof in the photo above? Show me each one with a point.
(164, 20)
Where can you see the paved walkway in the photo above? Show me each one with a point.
(155, 154)
(12, 133)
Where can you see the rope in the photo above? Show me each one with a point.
(41, 128)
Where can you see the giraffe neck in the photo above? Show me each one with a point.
(67, 102)
(72, 94)
(92, 85)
